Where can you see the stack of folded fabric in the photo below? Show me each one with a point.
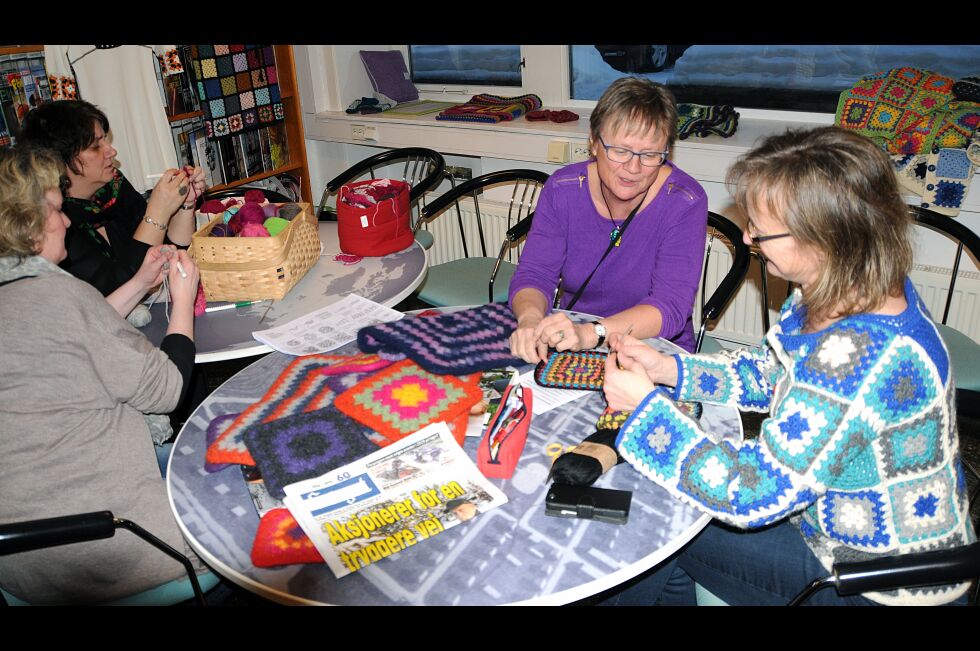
(699, 120)
(491, 108)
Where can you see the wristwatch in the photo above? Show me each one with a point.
(600, 331)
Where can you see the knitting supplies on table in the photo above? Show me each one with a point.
(256, 268)
(374, 217)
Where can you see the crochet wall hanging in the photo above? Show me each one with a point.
(920, 119)
(238, 86)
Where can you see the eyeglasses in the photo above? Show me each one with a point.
(757, 239)
(623, 155)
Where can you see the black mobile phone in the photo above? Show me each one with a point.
(588, 502)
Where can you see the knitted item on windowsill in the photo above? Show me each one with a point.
(404, 398)
(304, 446)
(301, 387)
(456, 343)
(700, 120)
(281, 541)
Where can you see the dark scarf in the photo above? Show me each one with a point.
(96, 212)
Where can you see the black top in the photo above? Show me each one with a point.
(105, 265)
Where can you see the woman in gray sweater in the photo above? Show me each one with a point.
(75, 384)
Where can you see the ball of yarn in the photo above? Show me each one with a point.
(251, 229)
(251, 213)
(231, 202)
(270, 209)
(229, 213)
(289, 210)
(235, 224)
(220, 230)
(275, 225)
(212, 206)
(255, 196)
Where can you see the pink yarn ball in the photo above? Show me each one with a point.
(212, 206)
(251, 229)
(251, 213)
(256, 196)
(235, 224)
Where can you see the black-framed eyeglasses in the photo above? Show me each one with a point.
(758, 239)
(766, 238)
(624, 155)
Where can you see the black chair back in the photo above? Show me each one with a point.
(954, 230)
(423, 169)
(726, 289)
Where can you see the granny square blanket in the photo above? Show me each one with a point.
(238, 86)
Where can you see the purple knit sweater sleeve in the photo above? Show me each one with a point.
(658, 262)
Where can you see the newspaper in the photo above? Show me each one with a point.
(391, 499)
(327, 328)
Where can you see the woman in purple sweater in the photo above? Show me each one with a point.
(628, 194)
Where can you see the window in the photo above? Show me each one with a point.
(789, 77)
(485, 65)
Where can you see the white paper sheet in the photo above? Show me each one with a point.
(546, 398)
(327, 328)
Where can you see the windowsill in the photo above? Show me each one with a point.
(706, 159)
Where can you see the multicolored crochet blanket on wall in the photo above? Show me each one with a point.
(927, 123)
(238, 86)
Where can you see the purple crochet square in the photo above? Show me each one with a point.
(388, 75)
(215, 429)
(304, 446)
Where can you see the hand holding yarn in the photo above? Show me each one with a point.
(154, 267)
(166, 198)
(625, 388)
(183, 286)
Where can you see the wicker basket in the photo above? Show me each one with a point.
(256, 268)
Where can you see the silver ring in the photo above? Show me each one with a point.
(561, 335)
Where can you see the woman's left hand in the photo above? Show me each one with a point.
(625, 388)
(151, 272)
(559, 332)
(197, 180)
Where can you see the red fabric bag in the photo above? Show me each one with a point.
(378, 229)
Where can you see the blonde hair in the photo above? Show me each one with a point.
(638, 104)
(836, 192)
(26, 175)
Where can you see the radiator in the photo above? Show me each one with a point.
(448, 244)
(741, 322)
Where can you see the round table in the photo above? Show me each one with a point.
(511, 554)
(227, 334)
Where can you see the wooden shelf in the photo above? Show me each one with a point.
(20, 49)
(185, 116)
(292, 167)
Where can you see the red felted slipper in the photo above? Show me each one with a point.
(563, 116)
(538, 116)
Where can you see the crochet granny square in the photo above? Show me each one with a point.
(404, 398)
(281, 541)
(301, 387)
(582, 370)
(457, 343)
(304, 446)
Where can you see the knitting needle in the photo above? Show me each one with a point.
(180, 268)
(266, 312)
(618, 365)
